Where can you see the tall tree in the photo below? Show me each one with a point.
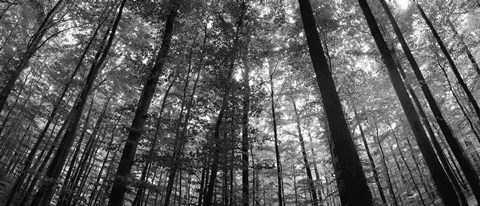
(453, 142)
(117, 194)
(443, 184)
(352, 185)
(33, 45)
(46, 190)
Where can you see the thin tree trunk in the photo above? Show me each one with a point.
(464, 86)
(33, 45)
(459, 152)
(399, 146)
(385, 166)
(117, 194)
(351, 181)
(245, 138)
(465, 47)
(372, 161)
(277, 152)
(445, 188)
(216, 133)
(313, 191)
(47, 189)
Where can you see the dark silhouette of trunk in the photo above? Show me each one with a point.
(119, 187)
(245, 138)
(399, 147)
(313, 191)
(45, 161)
(417, 166)
(34, 43)
(275, 137)
(371, 160)
(181, 130)
(385, 166)
(457, 100)
(216, 133)
(351, 182)
(104, 163)
(462, 83)
(445, 188)
(457, 150)
(56, 106)
(47, 189)
(465, 47)
(317, 176)
(70, 186)
(141, 189)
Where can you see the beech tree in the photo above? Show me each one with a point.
(239, 102)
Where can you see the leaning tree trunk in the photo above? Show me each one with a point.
(462, 83)
(33, 45)
(119, 187)
(47, 189)
(313, 191)
(465, 47)
(352, 184)
(457, 149)
(371, 160)
(443, 184)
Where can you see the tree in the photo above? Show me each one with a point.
(351, 181)
(445, 188)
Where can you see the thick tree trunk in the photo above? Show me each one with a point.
(120, 182)
(141, 189)
(445, 188)
(46, 190)
(351, 182)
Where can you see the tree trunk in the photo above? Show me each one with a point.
(385, 166)
(245, 139)
(34, 43)
(313, 191)
(464, 86)
(216, 134)
(120, 182)
(445, 188)
(372, 161)
(46, 190)
(459, 152)
(351, 182)
(277, 152)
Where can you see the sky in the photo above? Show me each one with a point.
(402, 3)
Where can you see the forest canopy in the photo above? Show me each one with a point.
(239, 102)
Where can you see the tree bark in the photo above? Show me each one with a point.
(457, 149)
(117, 194)
(352, 185)
(313, 191)
(462, 83)
(46, 190)
(372, 161)
(33, 45)
(445, 188)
